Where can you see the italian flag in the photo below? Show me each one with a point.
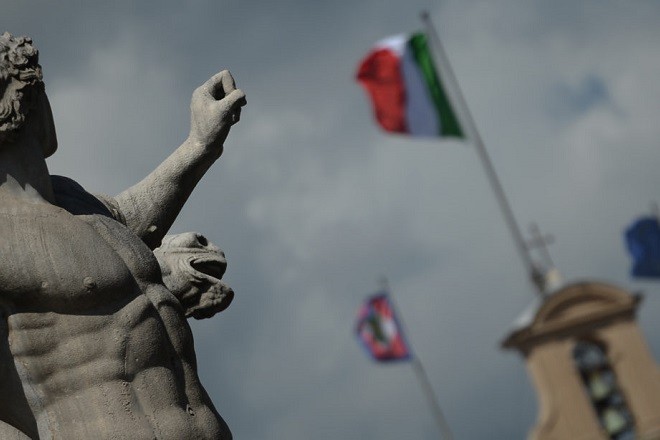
(407, 96)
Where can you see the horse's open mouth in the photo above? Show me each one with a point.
(214, 267)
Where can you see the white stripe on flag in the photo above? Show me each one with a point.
(421, 115)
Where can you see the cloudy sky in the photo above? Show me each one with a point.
(312, 202)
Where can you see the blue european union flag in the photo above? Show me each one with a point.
(643, 242)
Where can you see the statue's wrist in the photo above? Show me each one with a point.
(204, 148)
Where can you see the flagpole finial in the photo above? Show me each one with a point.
(545, 276)
(425, 15)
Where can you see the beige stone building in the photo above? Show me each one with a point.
(590, 365)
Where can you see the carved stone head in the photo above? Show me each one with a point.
(192, 269)
(22, 91)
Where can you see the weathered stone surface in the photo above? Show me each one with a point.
(94, 342)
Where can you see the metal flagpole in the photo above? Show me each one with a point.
(465, 116)
(418, 368)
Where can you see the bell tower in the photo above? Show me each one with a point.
(592, 370)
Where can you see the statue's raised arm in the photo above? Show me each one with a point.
(150, 207)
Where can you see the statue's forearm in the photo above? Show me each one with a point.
(151, 206)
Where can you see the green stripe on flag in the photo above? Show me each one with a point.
(449, 125)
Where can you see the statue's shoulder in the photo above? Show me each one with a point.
(71, 196)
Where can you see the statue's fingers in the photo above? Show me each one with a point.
(220, 85)
(231, 102)
(231, 105)
(228, 83)
(236, 99)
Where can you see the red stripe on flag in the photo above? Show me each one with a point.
(380, 74)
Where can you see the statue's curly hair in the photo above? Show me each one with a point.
(20, 79)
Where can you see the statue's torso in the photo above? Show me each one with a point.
(101, 347)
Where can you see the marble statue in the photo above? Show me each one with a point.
(94, 342)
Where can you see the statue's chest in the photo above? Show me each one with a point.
(59, 259)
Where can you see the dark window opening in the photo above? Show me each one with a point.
(601, 386)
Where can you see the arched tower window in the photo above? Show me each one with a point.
(601, 385)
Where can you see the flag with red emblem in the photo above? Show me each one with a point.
(379, 331)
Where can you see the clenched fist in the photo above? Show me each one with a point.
(214, 108)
